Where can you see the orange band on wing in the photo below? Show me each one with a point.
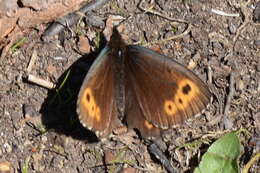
(90, 105)
(148, 125)
(186, 92)
(169, 107)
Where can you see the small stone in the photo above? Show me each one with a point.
(37, 5)
(5, 167)
(258, 145)
(29, 111)
(37, 157)
(192, 64)
(195, 7)
(82, 25)
(51, 69)
(27, 143)
(95, 21)
(44, 139)
(228, 124)
(83, 44)
(196, 57)
(240, 85)
(256, 118)
(60, 58)
(258, 64)
(91, 34)
(8, 7)
(257, 43)
(217, 46)
(232, 28)
(256, 12)
(109, 156)
(8, 148)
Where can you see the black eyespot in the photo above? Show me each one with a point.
(186, 89)
(88, 97)
(180, 101)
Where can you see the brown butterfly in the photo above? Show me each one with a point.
(139, 87)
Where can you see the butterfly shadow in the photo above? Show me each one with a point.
(59, 108)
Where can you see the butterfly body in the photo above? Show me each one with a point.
(139, 87)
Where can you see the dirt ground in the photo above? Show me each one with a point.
(39, 127)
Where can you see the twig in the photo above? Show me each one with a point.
(175, 37)
(231, 92)
(149, 10)
(209, 74)
(72, 18)
(215, 36)
(246, 21)
(40, 82)
(32, 61)
(156, 151)
(118, 163)
(222, 13)
(251, 162)
(227, 123)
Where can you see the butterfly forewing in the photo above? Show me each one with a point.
(96, 103)
(166, 91)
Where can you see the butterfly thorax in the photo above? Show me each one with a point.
(117, 50)
(116, 42)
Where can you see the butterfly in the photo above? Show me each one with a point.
(136, 86)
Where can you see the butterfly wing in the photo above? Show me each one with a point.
(164, 91)
(135, 117)
(96, 103)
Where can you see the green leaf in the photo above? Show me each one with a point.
(18, 44)
(221, 156)
(25, 166)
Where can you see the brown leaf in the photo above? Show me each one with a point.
(83, 44)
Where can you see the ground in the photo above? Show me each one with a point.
(40, 126)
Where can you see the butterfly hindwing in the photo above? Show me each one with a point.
(135, 116)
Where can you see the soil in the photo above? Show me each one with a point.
(40, 126)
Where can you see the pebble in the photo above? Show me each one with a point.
(257, 43)
(5, 167)
(8, 148)
(232, 28)
(258, 65)
(29, 111)
(256, 118)
(9, 7)
(44, 139)
(257, 13)
(95, 21)
(83, 44)
(109, 156)
(240, 85)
